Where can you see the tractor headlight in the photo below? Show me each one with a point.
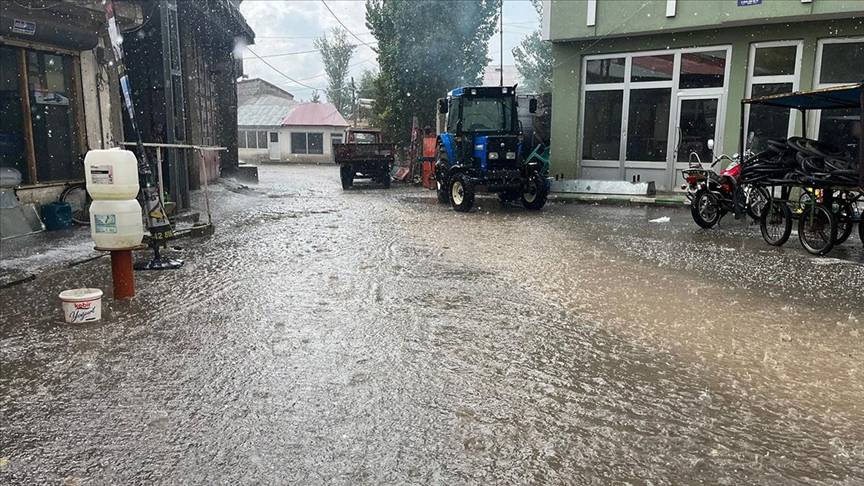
(493, 155)
(511, 155)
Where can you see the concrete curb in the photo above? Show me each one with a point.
(672, 200)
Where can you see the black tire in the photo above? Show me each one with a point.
(442, 185)
(79, 199)
(817, 229)
(775, 223)
(845, 224)
(534, 196)
(757, 200)
(705, 209)
(346, 173)
(461, 193)
(861, 231)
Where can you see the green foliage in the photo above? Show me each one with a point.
(316, 98)
(533, 58)
(426, 48)
(336, 53)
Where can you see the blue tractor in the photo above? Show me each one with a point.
(480, 150)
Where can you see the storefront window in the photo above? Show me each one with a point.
(241, 139)
(52, 108)
(648, 124)
(52, 111)
(602, 138)
(767, 122)
(262, 140)
(842, 63)
(774, 61)
(605, 71)
(702, 69)
(652, 68)
(12, 148)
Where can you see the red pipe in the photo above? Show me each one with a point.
(123, 274)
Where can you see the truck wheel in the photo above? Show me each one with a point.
(346, 173)
(441, 189)
(534, 196)
(385, 179)
(461, 193)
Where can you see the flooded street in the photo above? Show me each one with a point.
(373, 336)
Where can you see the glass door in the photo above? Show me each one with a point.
(697, 123)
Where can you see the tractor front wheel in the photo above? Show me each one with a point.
(535, 194)
(461, 193)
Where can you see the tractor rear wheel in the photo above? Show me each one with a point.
(441, 183)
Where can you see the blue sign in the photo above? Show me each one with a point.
(747, 3)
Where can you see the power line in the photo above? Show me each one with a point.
(284, 54)
(343, 26)
(278, 71)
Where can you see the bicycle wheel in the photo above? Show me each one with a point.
(775, 222)
(79, 199)
(817, 229)
(845, 215)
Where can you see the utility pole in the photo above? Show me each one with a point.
(354, 104)
(501, 40)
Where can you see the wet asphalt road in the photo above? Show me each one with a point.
(372, 337)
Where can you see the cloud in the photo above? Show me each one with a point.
(283, 27)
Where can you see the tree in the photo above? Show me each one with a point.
(533, 58)
(426, 48)
(336, 53)
(316, 98)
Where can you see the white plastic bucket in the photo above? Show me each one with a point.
(81, 305)
(111, 174)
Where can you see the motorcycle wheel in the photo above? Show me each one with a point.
(775, 223)
(705, 209)
(757, 200)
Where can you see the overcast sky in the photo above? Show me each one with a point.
(286, 29)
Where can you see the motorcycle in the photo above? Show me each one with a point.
(714, 195)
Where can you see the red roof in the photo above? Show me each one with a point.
(318, 114)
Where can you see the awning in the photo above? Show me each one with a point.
(846, 96)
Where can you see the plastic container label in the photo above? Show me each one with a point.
(105, 223)
(102, 174)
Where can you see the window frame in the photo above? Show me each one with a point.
(621, 163)
(794, 78)
(308, 150)
(78, 129)
(305, 143)
(241, 135)
(814, 122)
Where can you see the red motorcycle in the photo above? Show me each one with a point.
(713, 195)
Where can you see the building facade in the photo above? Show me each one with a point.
(640, 85)
(272, 127)
(60, 95)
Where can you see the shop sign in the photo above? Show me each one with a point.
(24, 27)
(747, 3)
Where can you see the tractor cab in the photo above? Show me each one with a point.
(480, 148)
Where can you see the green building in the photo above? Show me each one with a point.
(640, 84)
